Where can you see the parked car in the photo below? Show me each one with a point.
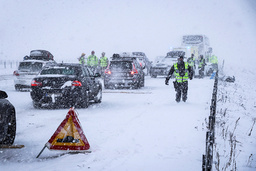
(143, 60)
(7, 120)
(30, 67)
(124, 72)
(163, 65)
(65, 85)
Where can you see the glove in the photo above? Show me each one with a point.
(190, 78)
(166, 81)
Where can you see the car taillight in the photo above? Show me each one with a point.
(107, 71)
(16, 73)
(134, 71)
(76, 83)
(35, 83)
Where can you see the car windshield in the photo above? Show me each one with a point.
(168, 60)
(120, 65)
(60, 71)
(31, 66)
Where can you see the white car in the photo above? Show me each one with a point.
(27, 70)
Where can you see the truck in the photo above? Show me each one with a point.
(199, 45)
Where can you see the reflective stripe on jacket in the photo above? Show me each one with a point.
(179, 78)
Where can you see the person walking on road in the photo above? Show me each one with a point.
(182, 72)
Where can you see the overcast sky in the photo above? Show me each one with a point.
(68, 28)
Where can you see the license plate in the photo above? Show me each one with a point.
(53, 95)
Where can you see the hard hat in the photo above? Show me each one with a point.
(83, 54)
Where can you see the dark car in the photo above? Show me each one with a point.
(65, 85)
(7, 120)
(124, 72)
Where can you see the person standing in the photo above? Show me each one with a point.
(182, 72)
(201, 66)
(92, 61)
(191, 63)
(103, 62)
(82, 59)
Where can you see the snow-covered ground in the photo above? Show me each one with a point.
(146, 130)
(143, 130)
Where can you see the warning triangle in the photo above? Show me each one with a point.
(69, 135)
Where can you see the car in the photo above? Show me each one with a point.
(7, 120)
(162, 66)
(124, 72)
(30, 67)
(143, 60)
(66, 85)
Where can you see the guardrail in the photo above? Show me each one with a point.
(210, 134)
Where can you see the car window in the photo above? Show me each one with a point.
(120, 65)
(60, 71)
(85, 72)
(34, 67)
(90, 72)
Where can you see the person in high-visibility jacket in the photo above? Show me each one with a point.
(182, 72)
(191, 62)
(82, 59)
(214, 61)
(201, 66)
(92, 61)
(103, 62)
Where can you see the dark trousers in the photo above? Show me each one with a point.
(181, 91)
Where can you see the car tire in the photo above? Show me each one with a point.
(11, 131)
(37, 105)
(153, 76)
(98, 97)
(17, 87)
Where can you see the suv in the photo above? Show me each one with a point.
(124, 72)
(7, 120)
(65, 85)
(143, 60)
(163, 65)
(30, 67)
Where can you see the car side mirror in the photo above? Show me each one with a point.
(3, 94)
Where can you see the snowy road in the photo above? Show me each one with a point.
(144, 130)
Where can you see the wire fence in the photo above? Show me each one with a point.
(210, 134)
(9, 64)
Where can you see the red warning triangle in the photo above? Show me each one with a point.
(69, 135)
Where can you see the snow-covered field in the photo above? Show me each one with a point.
(143, 130)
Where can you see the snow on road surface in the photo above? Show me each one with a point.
(144, 130)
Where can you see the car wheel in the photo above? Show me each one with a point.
(153, 76)
(17, 87)
(98, 97)
(11, 131)
(37, 105)
(142, 82)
